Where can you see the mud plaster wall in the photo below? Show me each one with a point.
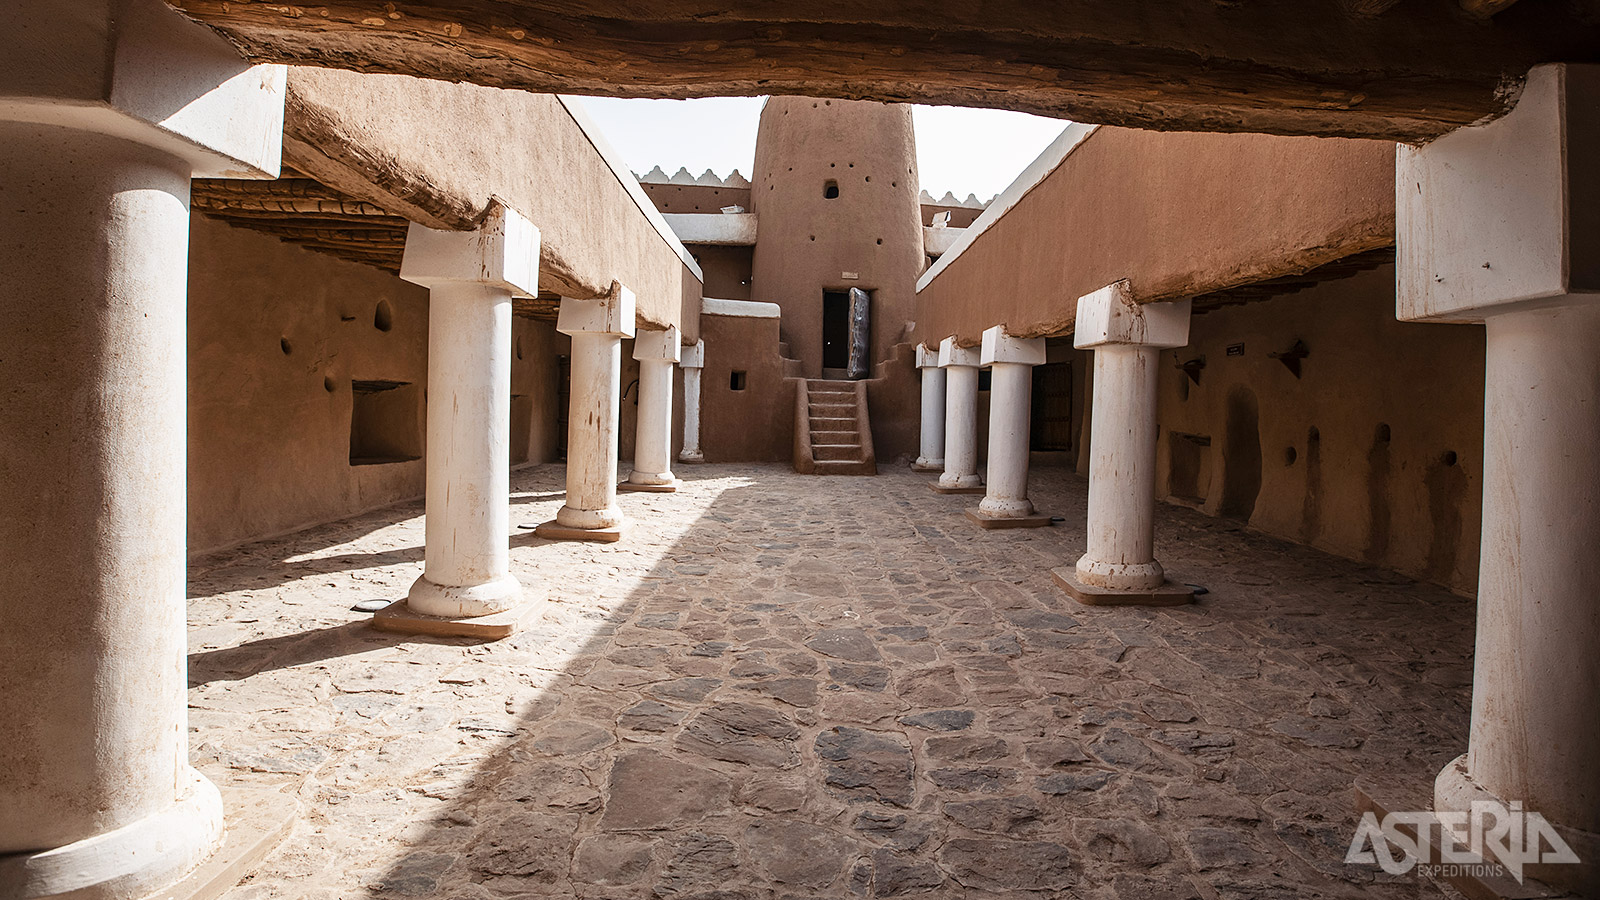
(269, 431)
(437, 152)
(1175, 214)
(757, 423)
(1399, 502)
(894, 406)
(693, 198)
(806, 242)
(535, 390)
(628, 411)
(726, 270)
(960, 216)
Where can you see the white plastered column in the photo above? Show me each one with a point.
(98, 143)
(657, 353)
(960, 366)
(692, 362)
(597, 328)
(1487, 231)
(931, 458)
(1119, 565)
(471, 277)
(1010, 360)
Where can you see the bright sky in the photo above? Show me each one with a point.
(976, 151)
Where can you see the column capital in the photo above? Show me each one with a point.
(952, 355)
(611, 314)
(1111, 315)
(141, 71)
(927, 357)
(502, 252)
(694, 356)
(1496, 217)
(1000, 347)
(661, 346)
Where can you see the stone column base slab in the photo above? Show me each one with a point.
(1170, 593)
(258, 819)
(670, 488)
(399, 618)
(555, 531)
(124, 862)
(975, 489)
(1455, 790)
(985, 520)
(1381, 797)
(927, 467)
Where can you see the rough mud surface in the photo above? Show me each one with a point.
(781, 686)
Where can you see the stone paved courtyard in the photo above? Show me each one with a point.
(788, 686)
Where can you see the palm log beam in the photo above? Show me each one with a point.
(1414, 71)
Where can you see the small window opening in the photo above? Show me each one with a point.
(384, 423)
(285, 346)
(383, 316)
(736, 381)
(831, 190)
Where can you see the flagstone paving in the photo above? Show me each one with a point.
(787, 686)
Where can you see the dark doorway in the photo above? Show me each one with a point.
(1241, 457)
(1052, 407)
(835, 329)
(1189, 470)
(521, 427)
(563, 402)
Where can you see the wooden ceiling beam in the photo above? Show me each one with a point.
(1484, 9)
(1418, 70)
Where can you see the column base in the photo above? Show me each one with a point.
(668, 487)
(399, 618)
(443, 601)
(590, 519)
(1169, 593)
(967, 482)
(1454, 790)
(136, 860)
(939, 488)
(1384, 797)
(928, 465)
(555, 531)
(693, 458)
(258, 821)
(989, 520)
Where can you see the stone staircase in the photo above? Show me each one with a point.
(832, 434)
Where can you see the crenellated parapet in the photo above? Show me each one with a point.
(708, 178)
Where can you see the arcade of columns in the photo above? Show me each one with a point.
(96, 795)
